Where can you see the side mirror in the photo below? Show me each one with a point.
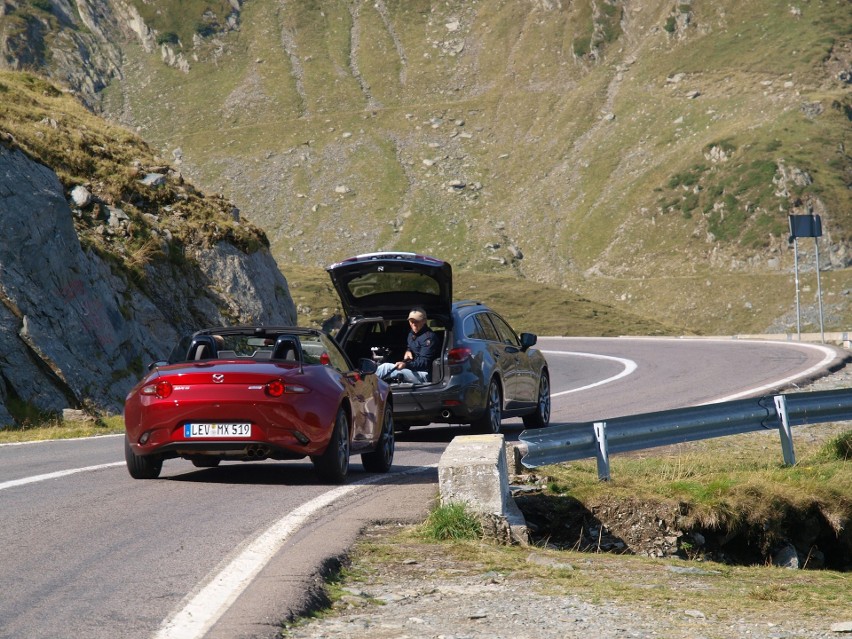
(157, 364)
(527, 340)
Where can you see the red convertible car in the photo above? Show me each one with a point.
(254, 393)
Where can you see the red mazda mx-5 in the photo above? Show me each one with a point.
(253, 393)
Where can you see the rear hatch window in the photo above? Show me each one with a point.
(391, 284)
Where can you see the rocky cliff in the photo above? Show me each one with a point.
(97, 280)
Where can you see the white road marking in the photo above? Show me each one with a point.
(203, 609)
(829, 356)
(629, 367)
(60, 473)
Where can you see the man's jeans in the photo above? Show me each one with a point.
(388, 371)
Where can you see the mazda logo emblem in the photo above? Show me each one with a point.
(218, 378)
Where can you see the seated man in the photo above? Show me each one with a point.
(423, 348)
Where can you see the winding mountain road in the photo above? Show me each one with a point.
(230, 552)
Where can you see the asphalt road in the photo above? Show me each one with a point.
(230, 552)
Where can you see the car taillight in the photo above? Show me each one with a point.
(277, 388)
(458, 355)
(161, 389)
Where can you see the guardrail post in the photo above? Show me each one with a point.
(784, 430)
(601, 452)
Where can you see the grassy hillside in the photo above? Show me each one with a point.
(52, 127)
(83, 149)
(645, 154)
(529, 306)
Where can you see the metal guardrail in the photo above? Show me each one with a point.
(570, 442)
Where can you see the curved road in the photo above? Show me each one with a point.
(596, 379)
(227, 552)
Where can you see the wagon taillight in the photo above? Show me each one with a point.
(458, 355)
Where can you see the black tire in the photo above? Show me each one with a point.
(333, 465)
(205, 462)
(381, 459)
(141, 466)
(492, 418)
(541, 417)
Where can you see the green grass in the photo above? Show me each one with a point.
(731, 304)
(451, 522)
(839, 448)
(85, 149)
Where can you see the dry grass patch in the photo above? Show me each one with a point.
(57, 429)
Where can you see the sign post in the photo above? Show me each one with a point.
(807, 226)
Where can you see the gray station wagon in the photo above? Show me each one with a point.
(485, 371)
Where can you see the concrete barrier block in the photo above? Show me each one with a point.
(473, 471)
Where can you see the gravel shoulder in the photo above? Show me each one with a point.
(396, 585)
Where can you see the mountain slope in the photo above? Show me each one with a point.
(645, 154)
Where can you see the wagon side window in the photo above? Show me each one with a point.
(472, 329)
(507, 335)
(488, 330)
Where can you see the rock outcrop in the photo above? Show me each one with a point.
(75, 330)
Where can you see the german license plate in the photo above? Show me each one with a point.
(196, 430)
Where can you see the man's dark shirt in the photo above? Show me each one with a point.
(424, 346)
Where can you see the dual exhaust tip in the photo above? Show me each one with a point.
(257, 452)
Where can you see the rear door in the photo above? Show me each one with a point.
(516, 362)
(501, 354)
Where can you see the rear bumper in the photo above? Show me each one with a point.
(451, 404)
(278, 441)
(287, 429)
(232, 450)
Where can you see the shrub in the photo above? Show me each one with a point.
(840, 447)
(205, 30)
(167, 37)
